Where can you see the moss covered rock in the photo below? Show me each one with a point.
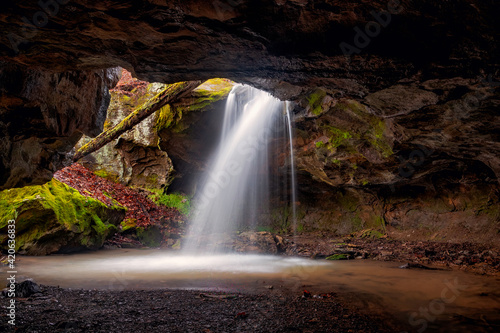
(137, 157)
(338, 257)
(345, 143)
(56, 218)
(134, 159)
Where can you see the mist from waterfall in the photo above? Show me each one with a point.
(254, 155)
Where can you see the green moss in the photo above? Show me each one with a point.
(357, 223)
(373, 132)
(107, 125)
(41, 208)
(177, 245)
(211, 91)
(128, 224)
(315, 101)
(320, 144)
(282, 218)
(164, 118)
(152, 179)
(174, 200)
(380, 222)
(382, 146)
(354, 106)
(371, 233)
(348, 202)
(338, 137)
(103, 173)
(338, 257)
(151, 237)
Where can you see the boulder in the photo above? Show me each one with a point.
(255, 242)
(55, 218)
(139, 157)
(134, 159)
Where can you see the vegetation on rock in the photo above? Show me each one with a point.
(338, 256)
(169, 94)
(57, 218)
(201, 99)
(140, 208)
(174, 200)
(315, 102)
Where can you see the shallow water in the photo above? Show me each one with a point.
(437, 300)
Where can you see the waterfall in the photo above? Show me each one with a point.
(235, 190)
(292, 169)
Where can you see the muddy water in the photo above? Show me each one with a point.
(422, 300)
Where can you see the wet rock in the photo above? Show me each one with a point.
(281, 44)
(27, 288)
(418, 266)
(24, 289)
(281, 244)
(255, 242)
(187, 134)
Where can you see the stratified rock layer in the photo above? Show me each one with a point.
(304, 43)
(42, 116)
(391, 119)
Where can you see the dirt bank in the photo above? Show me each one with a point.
(467, 257)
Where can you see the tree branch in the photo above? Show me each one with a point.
(168, 95)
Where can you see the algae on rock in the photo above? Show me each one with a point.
(54, 218)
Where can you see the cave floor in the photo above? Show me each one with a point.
(126, 290)
(73, 310)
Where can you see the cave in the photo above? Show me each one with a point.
(381, 181)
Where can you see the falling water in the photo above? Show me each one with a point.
(235, 191)
(292, 169)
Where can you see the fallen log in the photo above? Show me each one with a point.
(168, 95)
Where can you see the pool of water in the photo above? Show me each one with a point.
(424, 300)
